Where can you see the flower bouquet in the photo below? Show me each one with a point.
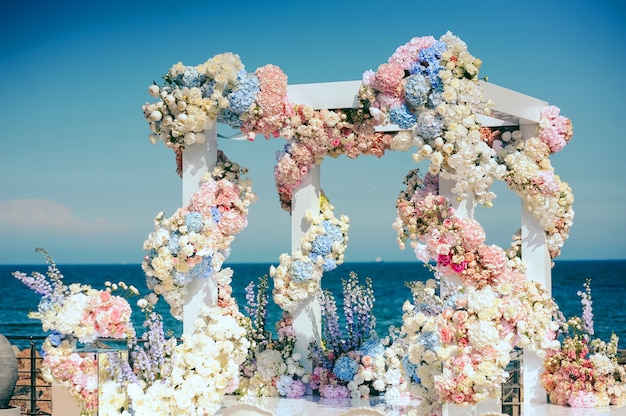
(350, 364)
(584, 371)
(76, 314)
(271, 368)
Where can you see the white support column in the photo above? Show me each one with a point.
(198, 159)
(307, 321)
(539, 265)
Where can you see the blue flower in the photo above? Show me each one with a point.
(203, 269)
(217, 215)
(207, 88)
(416, 89)
(322, 245)
(55, 338)
(194, 222)
(244, 96)
(173, 245)
(329, 264)
(402, 117)
(429, 340)
(429, 124)
(333, 231)
(181, 279)
(372, 347)
(191, 78)
(345, 368)
(301, 270)
(410, 369)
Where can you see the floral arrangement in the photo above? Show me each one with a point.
(187, 382)
(431, 87)
(584, 372)
(298, 277)
(272, 368)
(457, 343)
(195, 241)
(350, 364)
(530, 174)
(76, 314)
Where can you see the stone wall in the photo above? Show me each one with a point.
(22, 394)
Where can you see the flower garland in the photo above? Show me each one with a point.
(530, 174)
(76, 313)
(298, 276)
(584, 372)
(195, 241)
(272, 368)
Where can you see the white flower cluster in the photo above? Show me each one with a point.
(192, 100)
(298, 276)
(205, 368)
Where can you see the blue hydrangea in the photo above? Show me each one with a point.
(191, 78)
(174, 243)
(333, 231)
(417, 89)
(401, 116)
(345, 368)
(216, 214)
(322, 245)
(244, 96)
(55, 338)
(181, 279)
(429, 340)
(207, 88)
(410, 369)
(429, 124)
(229, 117)
(202, 270)
(194, 221)
(329, 264)
(372, 347)
(301, 270)
(433, 54)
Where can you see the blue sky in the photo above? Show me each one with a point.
(80, 178)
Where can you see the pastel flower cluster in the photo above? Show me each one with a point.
(77, 311)
(271, 368)
(584, 372)
(298, 276)
(530, 174)
(62, 364)
(198, 381)
(431, 87)
(451, 348)
(195, 241)
(351, 363)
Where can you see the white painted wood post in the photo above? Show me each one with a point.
(198, 159)
(539, 265)
(307, 321)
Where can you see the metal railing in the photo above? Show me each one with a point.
(32, 394)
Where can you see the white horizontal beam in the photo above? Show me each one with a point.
(510, 107)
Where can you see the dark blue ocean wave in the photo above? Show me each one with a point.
(608, 285)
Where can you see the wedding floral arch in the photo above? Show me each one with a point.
(455, 340)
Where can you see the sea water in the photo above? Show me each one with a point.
(608, 290)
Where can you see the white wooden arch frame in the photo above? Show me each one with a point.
(511, 108)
